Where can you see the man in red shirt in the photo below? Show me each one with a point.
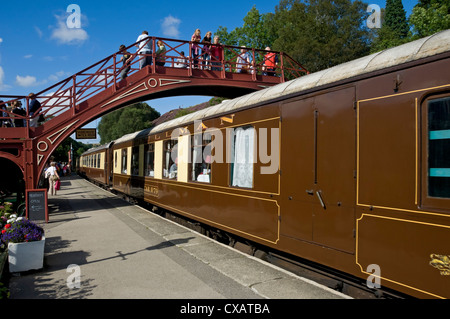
(270, 63)
(216, 54)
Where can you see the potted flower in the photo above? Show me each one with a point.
(6, 210)
(25, 242)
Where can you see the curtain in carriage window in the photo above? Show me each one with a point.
(242, 151)
(196, 155)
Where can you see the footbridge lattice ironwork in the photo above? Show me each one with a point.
(100, 89)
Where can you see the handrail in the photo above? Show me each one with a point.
(105, 73)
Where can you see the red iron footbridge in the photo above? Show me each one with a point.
(100, 89)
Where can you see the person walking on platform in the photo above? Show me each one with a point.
(52, 174)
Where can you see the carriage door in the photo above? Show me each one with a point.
(318, 166)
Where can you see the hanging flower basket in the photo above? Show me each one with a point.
(26, 242)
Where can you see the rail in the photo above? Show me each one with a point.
(66, 94)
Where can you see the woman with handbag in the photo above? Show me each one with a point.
(52, 174)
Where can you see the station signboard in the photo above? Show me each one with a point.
(36, 204)
(86, 134)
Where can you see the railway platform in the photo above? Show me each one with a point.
(121, 251)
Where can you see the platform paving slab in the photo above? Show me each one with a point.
(125, 252)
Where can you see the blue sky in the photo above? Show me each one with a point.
(37, 49)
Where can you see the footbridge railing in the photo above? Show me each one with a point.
(107, 73)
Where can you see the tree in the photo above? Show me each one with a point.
(429, 17)
(127, 120)
(317, 33)
(61, 152)
(395, 18)
(321, 34)
(256, 31)
(394, 30)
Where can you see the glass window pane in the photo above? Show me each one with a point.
(124, 160)
(149, 160)
(170, 161)
(439, 148)
(201, 158)
(135, 161)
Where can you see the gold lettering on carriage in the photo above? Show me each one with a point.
(442, 263)
(152, 190)
(227, 119)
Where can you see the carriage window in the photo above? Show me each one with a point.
(135, 161)
(124, 160)
(170, 159)
(200, 167)
(149, 160)
(98, 160)
(242, 157)
(94, 163)
(439, 148)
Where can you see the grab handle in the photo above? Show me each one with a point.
(319, 195)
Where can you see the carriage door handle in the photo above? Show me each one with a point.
(310, 192)
(319, 195)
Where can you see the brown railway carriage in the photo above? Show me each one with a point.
(96, 164)
(348, 167)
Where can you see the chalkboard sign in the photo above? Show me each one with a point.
(37, 209)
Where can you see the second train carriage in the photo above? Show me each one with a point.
(96, 164)
(347, 167)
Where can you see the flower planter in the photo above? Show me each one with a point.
(3, 259)
(26, 256)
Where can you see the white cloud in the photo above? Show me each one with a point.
(38, 31)
(58, 75)
(65, 35)
(28, 56)
(2, 76)
(26, 81)
(1, 40)
(3, 86)
(170, 26)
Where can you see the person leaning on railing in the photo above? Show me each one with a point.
(216, 54)
(243, 61)
(195, 49)
(181, 61)
(144, 49)
(17, 110)
(206, 51)
(34, 109)
(5, 122)
(126, 62)
(270, 63)
(161, 54)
